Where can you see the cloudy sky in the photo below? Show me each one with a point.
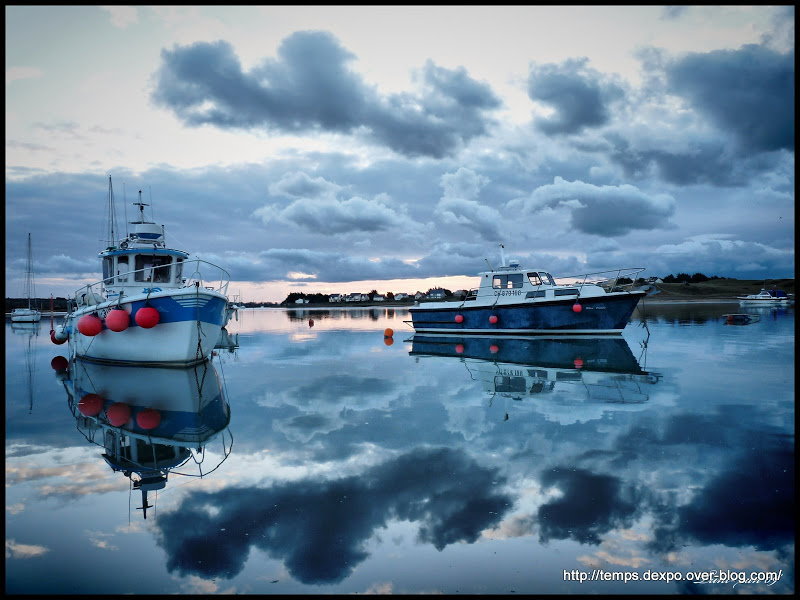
(333, 149)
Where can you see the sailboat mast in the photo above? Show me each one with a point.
(29, 285)
(112, 217)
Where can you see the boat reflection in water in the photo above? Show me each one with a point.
(592, 369)
(150, 421)
(28, 330)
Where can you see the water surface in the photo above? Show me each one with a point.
(355, 463)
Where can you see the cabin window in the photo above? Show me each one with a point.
(534, 278)
(178, 269)
(507, 282)
(108, 277)
(152, 268)
(567, 292)
(122, 269)
(546, 277)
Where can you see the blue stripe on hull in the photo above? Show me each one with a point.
(606, 314)
(207, 309)
(606, 353)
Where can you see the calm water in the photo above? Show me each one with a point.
(355, 464)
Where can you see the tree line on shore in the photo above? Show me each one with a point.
(60, 304)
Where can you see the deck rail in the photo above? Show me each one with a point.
(216, 279)
(608, 279)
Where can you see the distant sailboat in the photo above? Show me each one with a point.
(27, 315)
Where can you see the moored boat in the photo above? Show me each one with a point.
(520, 301)
(767, 297)
(154, 305)
(29, 314)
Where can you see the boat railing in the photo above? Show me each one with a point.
(217, 279)
(607, 279)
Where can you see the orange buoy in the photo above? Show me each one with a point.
(59, 363)
(577, 307)
(90, 325)
(493, 349)
(147, 317)
(578, 362)
(387, 333)
(388, 341)
(149, 418)
(90, 405)
(311, 322)
(730, 318)
(493, 319)
(459, 348)
(56, 338)
(117, 319)
(459, 318)
(118, 414)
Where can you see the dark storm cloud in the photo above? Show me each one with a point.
(750, 502)
(601, 210)
(309, 87)
(580, 96)
(591, 505)
(748, 92)
(320, 528)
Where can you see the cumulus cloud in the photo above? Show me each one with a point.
(459, 205)
(579, 96)
(309, 87)
(601, 210)
(331, 216)
(299, 185)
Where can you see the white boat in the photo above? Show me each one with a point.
(30, 314)
(150, 421)
(767, 298)
(154, 305)
(519, 301)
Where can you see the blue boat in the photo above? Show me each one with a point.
(519, 301)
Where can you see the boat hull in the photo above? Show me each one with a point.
(25, 316)
(764, 302)
(607, 314)
(189, 326)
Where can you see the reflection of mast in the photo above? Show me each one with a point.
(29, 330)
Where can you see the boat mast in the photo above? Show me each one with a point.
(30, 289)
(112, 218)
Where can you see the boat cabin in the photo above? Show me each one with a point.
(142, 260)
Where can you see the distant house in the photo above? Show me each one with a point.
(437, 294)
(655, 280)
(460, 293)
(301, 301)
(378, 298)
(335, 298)
(419, 296)
(354, 297)
(401, 296)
